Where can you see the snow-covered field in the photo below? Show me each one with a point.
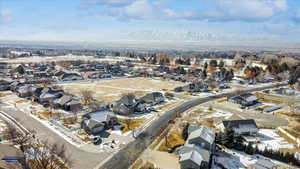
(219, 113)
(269, 139)
(238, 160)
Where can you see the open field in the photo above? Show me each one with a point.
(112, 90)
(38, 59)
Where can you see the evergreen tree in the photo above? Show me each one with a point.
(221, 64)
(284, 67)
(205, 65)
(249, 149)
(213, 63)
(187, 62)
(228, 139)
(153, 60)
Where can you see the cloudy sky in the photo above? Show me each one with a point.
(98, 20)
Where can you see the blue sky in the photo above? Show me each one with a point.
(98, 20)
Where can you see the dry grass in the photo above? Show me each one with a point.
(111, 90)
(271, 101)
(131, 124)
(284, 167)
(137, 164)
(263, 95)
(288, 139)
(173, 140)
(83, 136)
(269, 98)
(262, 108)
(47, 115)
(209, 122)
(148, 165)
(290, 116)
(70, 120)
(22, 101)
(4, 94)
(221, 100)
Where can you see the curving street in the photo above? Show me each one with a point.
(125, 157)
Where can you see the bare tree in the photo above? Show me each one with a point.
(128, 123)
(87, 96)
(18, 137)
(48, 156)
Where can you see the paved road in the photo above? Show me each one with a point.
(82, 159)
(124, 158)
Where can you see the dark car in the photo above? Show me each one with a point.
(97, 140)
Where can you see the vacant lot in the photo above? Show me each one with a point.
(112, 90)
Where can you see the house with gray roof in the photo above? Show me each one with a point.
(25, 91)
(245, 100)
(284, 91)
(71, 77)
(5, 84)
(203, 137)
(194, 160)
(68, 103)
(96, 122)
(193, 87)
(153, 98)
(246, 127)
(50, 95)
(126, 105)
(198, 149)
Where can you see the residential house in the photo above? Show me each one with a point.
(25, 91)
(245, 100)
(15, 85)
(153, 98)
(195, 158)
(268, 78)
(47, 96)
(71, 77)
(126, 105)
(202, 136)
(240, 127)
(5, 84)
(198, 149)
(285, 91)
(96, 122)
(68, 103)
(193, 87)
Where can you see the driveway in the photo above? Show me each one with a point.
(81, 159)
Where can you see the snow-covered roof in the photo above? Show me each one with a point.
(193, 156)
(101, 116)
(204, 132)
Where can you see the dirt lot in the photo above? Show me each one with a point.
(112, 90)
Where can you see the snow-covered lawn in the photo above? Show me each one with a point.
(269, 139)
(238, 160)
(219, 113)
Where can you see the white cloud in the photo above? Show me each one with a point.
(141, 10)
(5, 15)
(108, 3)
(244, 9)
